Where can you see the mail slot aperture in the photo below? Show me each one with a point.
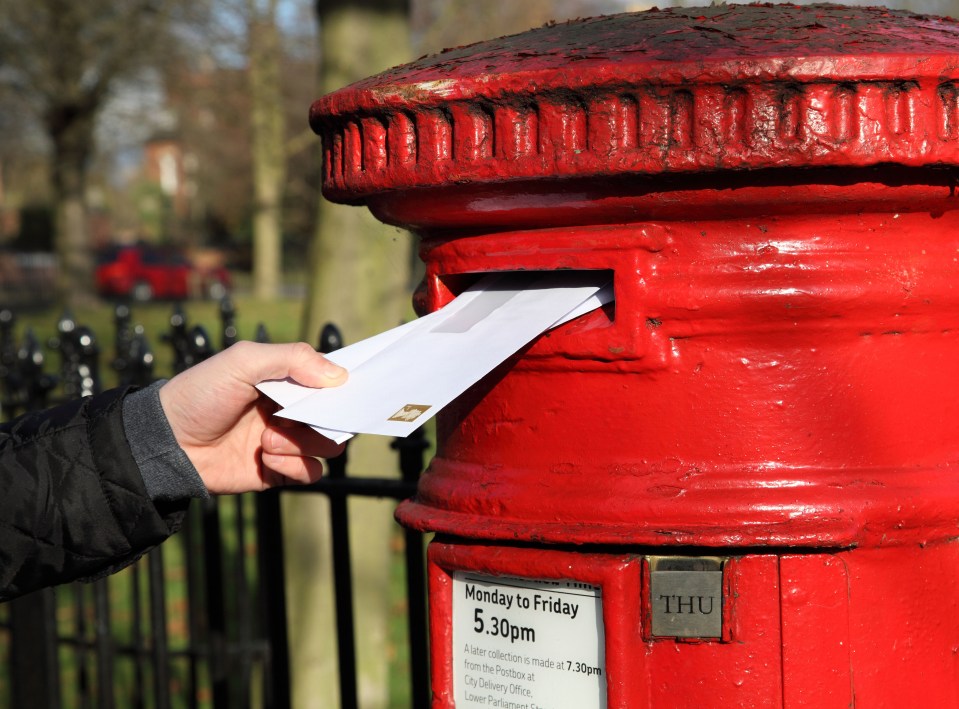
(448, 286)
(620, 332)
(576, 338)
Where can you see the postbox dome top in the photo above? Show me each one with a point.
(664, 91)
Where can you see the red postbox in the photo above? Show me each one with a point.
(737, 487)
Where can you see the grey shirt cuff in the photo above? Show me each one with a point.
(167, 471)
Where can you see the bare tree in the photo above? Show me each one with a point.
(68, 56)
(359, 278)
(359, 269)
(269, 148)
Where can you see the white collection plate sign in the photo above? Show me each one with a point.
(527, 644)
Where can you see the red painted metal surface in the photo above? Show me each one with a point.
(865, 628)
(671, 91)
(773, 189)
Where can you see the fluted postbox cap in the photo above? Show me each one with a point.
(664, 91)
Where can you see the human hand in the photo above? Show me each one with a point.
(226, 427)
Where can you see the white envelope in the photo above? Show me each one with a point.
(286, 392)
(401, 378)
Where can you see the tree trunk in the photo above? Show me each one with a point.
(269, 154)
(71, 130)
(360, 269)
(359, 279)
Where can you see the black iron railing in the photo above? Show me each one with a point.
(194, 622)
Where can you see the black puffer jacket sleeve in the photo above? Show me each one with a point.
(72, 500)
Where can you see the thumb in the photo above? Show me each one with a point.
(297, 361)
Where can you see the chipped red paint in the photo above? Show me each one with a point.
(773, 189)
(691, 90)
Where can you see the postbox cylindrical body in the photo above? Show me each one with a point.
(737, 485)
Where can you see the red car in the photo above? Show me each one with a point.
(144, 273)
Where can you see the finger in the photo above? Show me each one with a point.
(310, 368)
(296, 360)
(298, 440)
(280, 470)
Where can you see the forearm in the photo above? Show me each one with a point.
(74, 503)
